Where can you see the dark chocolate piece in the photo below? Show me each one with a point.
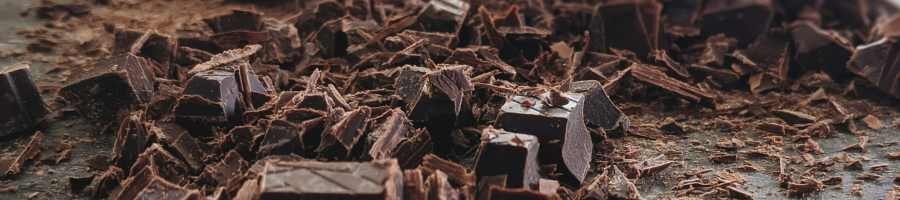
(651, 166)
(455, 173)
(498, 193)
(656, 78)
(137, 182)
(76, 185)
(876, 62)
(317, 15)
(111, 179)
(185, 147)
(414, 185)
(439, 188)
(510, 154)
(631, 25)
(450, 83)
(57, 157)
(332, 180)
(219, 174)
(20, 99)
(794, 117)
(342, 136)
(599, 111)
(159, 49)
(131, 140)
(819, 50)
(101, 91)
(488, 182)
(248, 191)
(388, 132)
(620, 187)
(61, 11)
(215, 98)
(282, 138)
(410, 153)
(445, 16)
(99, 162)
(10, 167)
(563, 137)
(164, 164)
(160, 189)
(260, 165)
(597, 189)
(741, 19)
(408, 84)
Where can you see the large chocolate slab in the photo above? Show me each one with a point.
(563, 136)
(20, 99)
(332, 180)
(101, 91)
(510, 154)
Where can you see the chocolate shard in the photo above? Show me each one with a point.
(249, 190)
(439, 187)
(450, 83)
(794, 117)
(455, 173)
(410, 152)
(332, 180)
(185, 147)
(653, 165)
(132, 186)
(631, 25)
(219, 174)
(876, 62)
(408, 84)
(414, 185)
(341, 137)
(510, 154)
(101, 91)
(11, 166)
(111, 179)
(159, 49)
(444, 16)
(498, 193)
(282, 138)
(620, 187)
(393, 136)
(21, 99)
(488, 182)
(741, 19)
(819, 50)
(597, 189)
(563, 136)
(159, 188)
(131, 140)
(164, 163)
(599, 111)
(656, 78)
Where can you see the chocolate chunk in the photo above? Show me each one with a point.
(163, 163)
(137, 182)
(111, 179)
(744, 20)
(631, 25)
(439, 188)
(410, 152)
(375, 180)
(282, 138)
(656, 78)
(100, 162)
(118, 84)
(317, 15)
(414, 186)
(159, 188)
(510, 154)
(597, 189)
(563, 138)
(408, 84)
(794, 117)
(450, 83)
(488, 182)
(819, 50)
(57, 157)
(803, 188)
(131, 140)
(599, 111)
(455, 173)
(444, 16)
(620, 187)
(159, 49)
(219, 174)
(498, 193)
(77, 184)
(389, 131)
(10, 166)
(260, 164)
(210, 98)
(21, 99)
(185, 147)
(342, 136)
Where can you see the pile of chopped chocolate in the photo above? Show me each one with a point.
(459, 99)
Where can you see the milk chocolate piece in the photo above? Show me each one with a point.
(10, 166)
(439, 188)
(77, 184)
(160, 189)
(341, 137)
(118, 84)
(185, 147)
(332, 180)
(131, 141)
(445, 16)
(681, 89)
(741, 19)
(414, 185)
(510, 154)
(819, 50)
(498, 193)
(159, 49)
(631, 25)
(20, 99)
(561, 131)
(599, 111)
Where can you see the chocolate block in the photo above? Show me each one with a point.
(341, 137)
(118, 84)
(510, 154)
(599, 111)
(877, 63)
(408, 84)
(159, 49)
(282, 138)
(741, 19)
(131, 141)
(160, 189)
(20, 99)
(625, 24)
(563, 137)
(332, 180)
(185, 147)
(215, 98)
(10, 166)
(219, 174)
(819, 50)
(445, 16)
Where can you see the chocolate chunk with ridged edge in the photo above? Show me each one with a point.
(741, 19)
(180, 141)
(160, 189)
(20, 99)
(219, 173)
(511, 154)
(131, 141)
(340, 138)
(450, 82)
(408, 85)
(388, 131)
(599, 111)
(159, 49)
(101, 91)
(166, 165)
(332, 180)
(445, 16)
(111, 179)
(132, 186)
(563, 136)
(282, 138)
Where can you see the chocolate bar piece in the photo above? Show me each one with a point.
(819, 50)
(20, 99)
(101, 91)
(741, 19)
(159, 49)
(332, 180)
(445, 16)
(181, 141)
(599, 111)
(563, 137)
(219, 174)
(409, 83)
(631, 25)
(877, 62)
(510, 154)
(414, 185)
(393, 136)
(131, 140)
(341, 137)
(10, 166)
(210, 98)
(455, 173)
(160, 189)
(282, 138)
